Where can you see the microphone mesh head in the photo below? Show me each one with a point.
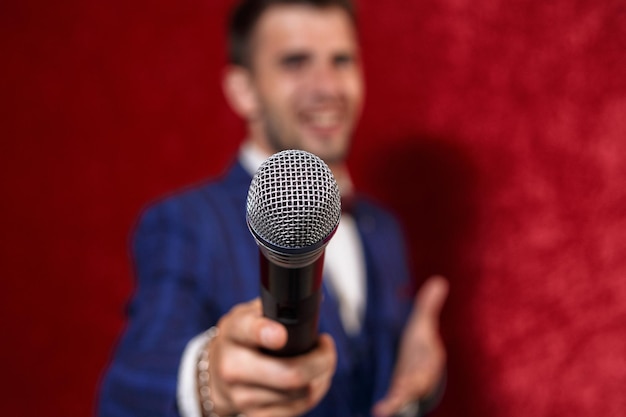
(293, 200)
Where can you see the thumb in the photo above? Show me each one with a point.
(396, 403)
(431, 298)
(393, 402)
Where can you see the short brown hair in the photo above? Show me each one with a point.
(247, 13)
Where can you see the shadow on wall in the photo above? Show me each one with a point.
(430, 183)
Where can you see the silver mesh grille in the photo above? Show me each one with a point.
(293, 200)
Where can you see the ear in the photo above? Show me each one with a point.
(240, 92)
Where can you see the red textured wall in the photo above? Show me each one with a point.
(496, 130)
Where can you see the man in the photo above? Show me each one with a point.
(296, 80)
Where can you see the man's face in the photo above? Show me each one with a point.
(307, 79)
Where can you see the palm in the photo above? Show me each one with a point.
(422, 355)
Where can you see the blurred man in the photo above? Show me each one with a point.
(296, 80)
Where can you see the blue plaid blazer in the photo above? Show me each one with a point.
(195, 259)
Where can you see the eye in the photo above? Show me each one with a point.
(294, 62)
(343, 60)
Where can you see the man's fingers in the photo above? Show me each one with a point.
(246, 397)
(289, 374)
(245, 378)
(431, 298)
(299, 404)
(262, 401)
(258, 383)
(245, 325)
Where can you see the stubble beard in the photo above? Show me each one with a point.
(279, 143)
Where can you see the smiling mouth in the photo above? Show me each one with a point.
(323, 120)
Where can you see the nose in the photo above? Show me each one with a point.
(326, 81)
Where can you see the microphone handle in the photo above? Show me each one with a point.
(292, 297)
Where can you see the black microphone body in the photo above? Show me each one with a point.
(293, 210)
(292, 296)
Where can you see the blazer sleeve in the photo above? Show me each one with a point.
(173, 257)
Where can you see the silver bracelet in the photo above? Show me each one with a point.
(207, 404)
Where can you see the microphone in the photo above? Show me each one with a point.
(293, 209)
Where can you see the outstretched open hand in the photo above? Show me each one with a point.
(422, 355)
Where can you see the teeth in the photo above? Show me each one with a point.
(325, 119)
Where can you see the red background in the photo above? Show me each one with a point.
(496, 130)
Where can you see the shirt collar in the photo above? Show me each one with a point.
(251, 157)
